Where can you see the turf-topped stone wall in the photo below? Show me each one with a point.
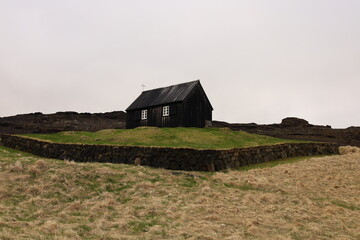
(170, 158)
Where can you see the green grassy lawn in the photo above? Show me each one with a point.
(201, 138)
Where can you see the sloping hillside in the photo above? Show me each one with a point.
(41, 198)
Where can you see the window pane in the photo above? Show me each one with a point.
(166, 111)
(143, 114)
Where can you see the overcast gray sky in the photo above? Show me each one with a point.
(258, 60)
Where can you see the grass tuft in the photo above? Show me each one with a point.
(343, 204)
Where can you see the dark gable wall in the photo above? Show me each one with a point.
(196, 109)
(190, 113)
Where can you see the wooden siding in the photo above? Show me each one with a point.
(155, 117)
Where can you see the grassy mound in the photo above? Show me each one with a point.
(205, 138)
(42, 198)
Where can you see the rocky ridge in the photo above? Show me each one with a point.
(61, 121)
(299, 129)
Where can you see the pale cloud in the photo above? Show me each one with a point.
(259, 61)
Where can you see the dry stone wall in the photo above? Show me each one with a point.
(170, 158)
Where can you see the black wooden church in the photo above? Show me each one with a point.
(182, 105)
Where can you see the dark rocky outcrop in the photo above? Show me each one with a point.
(61, 121)
(294, 122)
(299, 129)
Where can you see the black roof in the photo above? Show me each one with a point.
(161, 96)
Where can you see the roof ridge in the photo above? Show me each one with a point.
(172, 85)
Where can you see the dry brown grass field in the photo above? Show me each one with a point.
(316, 198)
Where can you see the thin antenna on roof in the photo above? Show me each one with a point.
(143, 86)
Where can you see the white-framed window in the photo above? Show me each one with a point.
(166, 111)
(143, 114)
